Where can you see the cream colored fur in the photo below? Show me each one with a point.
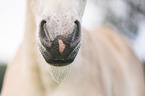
(105, 66)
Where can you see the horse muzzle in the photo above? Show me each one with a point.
(62, 49)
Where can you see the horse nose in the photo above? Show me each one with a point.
(62, 49)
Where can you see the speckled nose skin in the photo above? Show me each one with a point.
(59, 49)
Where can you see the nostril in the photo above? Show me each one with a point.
(44, 34)
(78, 29)
(76, 33)
(77, 22)
(43, 21)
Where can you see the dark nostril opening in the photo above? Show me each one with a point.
(77, 22)
(43, 21)
(78, 29)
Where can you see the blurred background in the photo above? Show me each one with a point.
(12, 20)
(125, 16)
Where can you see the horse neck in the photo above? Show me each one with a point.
(29, 35)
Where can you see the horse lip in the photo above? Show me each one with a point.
(60, 62)
(75, 49)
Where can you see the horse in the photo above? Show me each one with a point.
(59, 58)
